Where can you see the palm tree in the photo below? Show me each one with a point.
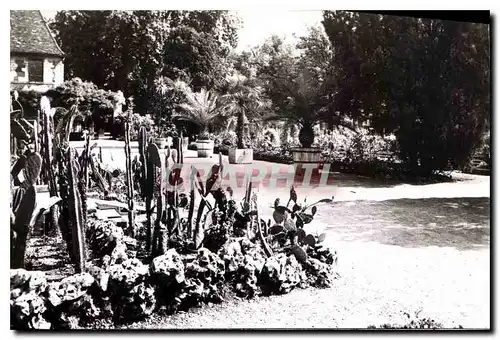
(304, 99)
(242, 101)
(200, 108)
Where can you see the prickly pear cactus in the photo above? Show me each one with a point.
(20, 228)
(33, 167)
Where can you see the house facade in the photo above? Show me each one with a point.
(36, 60)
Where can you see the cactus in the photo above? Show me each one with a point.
(160, 234)
(17, 168)
(25, 210)
(153, 161)
(265, 245)
(143, 159)
(128, 171)
(33, 168)
(191, 208)
(76, 213)
(46, 149)
(86, 162)
(20, 227)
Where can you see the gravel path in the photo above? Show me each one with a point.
(384, 273)
(377, 284)
(448, 282)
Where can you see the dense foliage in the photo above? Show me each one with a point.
(425, 80)
(131, 49)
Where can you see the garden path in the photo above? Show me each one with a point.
(402, 248)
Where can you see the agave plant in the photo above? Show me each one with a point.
(200, 108)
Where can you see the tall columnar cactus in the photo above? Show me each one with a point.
(76, 213)
(128, 171)
(83, 178)
(191, 208)
(180, 150)
(143, 140)
(161, 216)
(153, 162)
(46, 147)
(86, 162)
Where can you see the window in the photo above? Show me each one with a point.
(20, 69)
(35, 70)
(52, 64)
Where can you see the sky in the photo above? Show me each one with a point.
(259, 25)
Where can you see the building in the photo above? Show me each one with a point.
(36, 60)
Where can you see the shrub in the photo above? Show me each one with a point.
(138, 121)
(413, 321)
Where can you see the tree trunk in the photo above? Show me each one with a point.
(240, 128)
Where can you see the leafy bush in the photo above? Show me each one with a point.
(343, 145)
(138, 121)
(89, 96)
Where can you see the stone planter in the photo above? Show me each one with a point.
(240, 156)
(205, 148)
(303, 156)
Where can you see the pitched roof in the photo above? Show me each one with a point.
(29, 33)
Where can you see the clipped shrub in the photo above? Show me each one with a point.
(89, 96)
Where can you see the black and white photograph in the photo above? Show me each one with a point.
(252, 169)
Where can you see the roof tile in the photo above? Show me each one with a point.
(29, 33)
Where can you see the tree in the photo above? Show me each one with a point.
(200, 108)
(116, 50)
(125, 50)
(243, 100)
(301, 85)
(199, 46)
(425, 80)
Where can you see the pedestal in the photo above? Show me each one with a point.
(240, 156)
